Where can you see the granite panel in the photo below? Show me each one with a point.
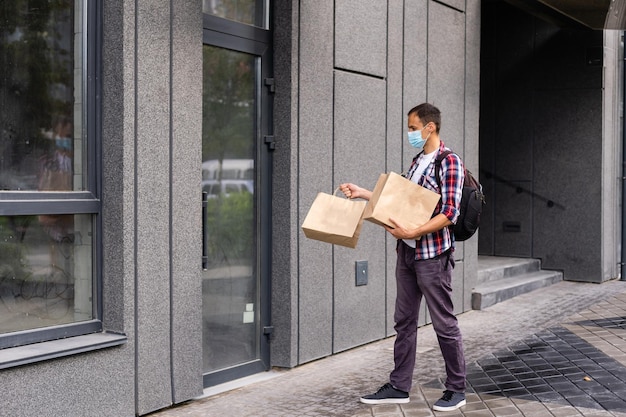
(567, 232)
(472, 85)
(565, 58)
(315, 150)
(514, 133)
(89, 382)
(612, 157)
(414, 66)
(513, 43)
(285, 217)
(458, 287)
(514, 202)
(361, 36)
(395, 136)
(152, 202)
(359, 124)
(470, 272)
(446, 72)
(118, 187)
(469, 249)
(487, 159)
(186, 216)
(391, 290)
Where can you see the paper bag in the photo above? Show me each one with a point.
(334, 220)
(409, 204)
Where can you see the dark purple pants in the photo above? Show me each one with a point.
(431, 278)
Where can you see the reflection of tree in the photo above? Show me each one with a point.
(228, 133)
(36, 76)
(238, 10)
(228, 104)
(231, 233)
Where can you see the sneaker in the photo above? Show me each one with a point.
(386, 394)
(450, 401)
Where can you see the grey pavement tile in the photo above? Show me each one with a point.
(477, 413)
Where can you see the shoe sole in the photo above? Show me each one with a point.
(385, 401)
(451, 408)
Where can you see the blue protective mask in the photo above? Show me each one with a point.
(64, 143)
(415, 139)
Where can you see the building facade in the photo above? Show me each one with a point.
(160, 157)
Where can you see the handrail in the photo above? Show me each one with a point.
(549, 202)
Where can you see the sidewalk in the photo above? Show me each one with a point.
(558, 351)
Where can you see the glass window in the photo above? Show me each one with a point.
(230, 280)
(40, 97)
(45, 271)
(250, 12)
(48, 205)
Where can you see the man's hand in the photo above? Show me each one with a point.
(436, 223)
(399, 231)
(354, 191)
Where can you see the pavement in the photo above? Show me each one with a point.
(558, 351)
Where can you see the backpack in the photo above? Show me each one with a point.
(471, 206)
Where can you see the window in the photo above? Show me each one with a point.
(49, 206)
(249, 12)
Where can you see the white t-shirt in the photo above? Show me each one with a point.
(424, 162)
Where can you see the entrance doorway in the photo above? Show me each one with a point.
(236, 196)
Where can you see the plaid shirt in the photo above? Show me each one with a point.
(452, 176)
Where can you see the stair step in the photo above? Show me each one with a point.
(493, 292)
(492, 268)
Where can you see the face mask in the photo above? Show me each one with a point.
(64, 143)
(416, 140)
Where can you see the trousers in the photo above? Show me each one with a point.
(430, 278)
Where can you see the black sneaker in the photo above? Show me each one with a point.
(386, 394)
(450, 401)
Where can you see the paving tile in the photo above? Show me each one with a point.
(476, 413)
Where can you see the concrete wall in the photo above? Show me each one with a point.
(151, 136)
(163, 146)
(548, 160)
(347, 73)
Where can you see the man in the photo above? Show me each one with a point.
(424, 267)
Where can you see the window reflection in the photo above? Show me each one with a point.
(45, 271)
(249, 12)
(230, 283)
(40, 98)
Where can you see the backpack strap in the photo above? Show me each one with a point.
(438, 160)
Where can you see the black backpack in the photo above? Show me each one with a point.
(471, 206)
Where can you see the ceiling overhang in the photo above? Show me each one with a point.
(594, 14)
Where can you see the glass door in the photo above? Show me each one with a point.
(235, 192)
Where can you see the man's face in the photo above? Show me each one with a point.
(414, 123)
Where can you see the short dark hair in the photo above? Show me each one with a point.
(427, 113)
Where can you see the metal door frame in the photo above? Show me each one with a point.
(256, 41)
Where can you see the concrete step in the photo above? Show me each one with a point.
(495, 268)
(495, 291)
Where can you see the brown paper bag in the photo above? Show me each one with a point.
(409, 204)
(334, 220)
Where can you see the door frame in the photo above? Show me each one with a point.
(256, 41)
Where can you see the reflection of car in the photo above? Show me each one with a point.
(214, 187)
(228, 169)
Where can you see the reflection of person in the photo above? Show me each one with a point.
(56, 166)
(56, 175)
(424, 267)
